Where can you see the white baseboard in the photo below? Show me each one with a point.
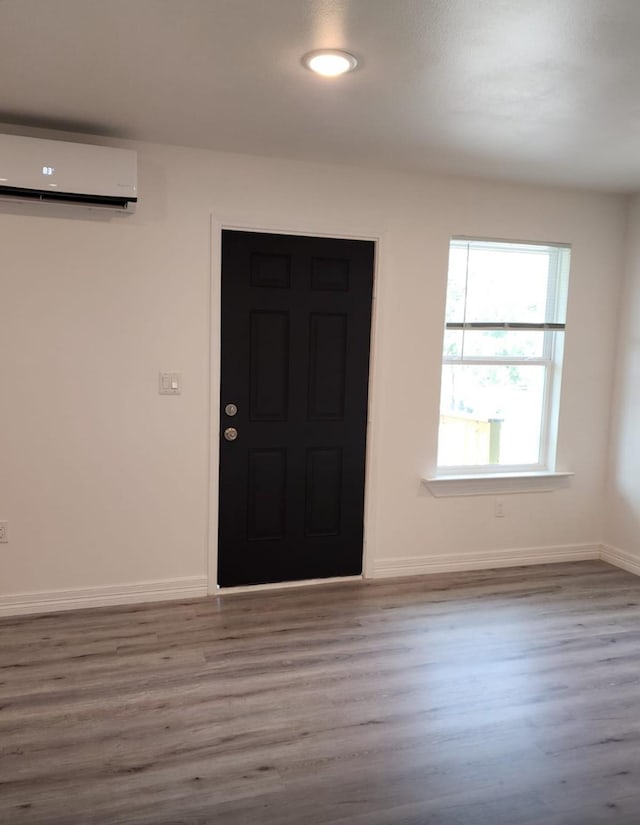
(196, 586)
(421, 565)
(620, 558)
(151, 591)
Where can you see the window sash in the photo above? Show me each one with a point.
(557, 273)
(543, 443)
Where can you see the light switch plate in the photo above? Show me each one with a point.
(4, 532)
(170, 383)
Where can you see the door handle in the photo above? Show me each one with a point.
(230, 434)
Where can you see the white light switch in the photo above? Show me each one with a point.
(170, 383)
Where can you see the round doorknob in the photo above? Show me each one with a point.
(230, 434)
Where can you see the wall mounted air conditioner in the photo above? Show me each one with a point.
(55, 171)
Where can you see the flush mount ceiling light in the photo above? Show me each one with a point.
(330, 62)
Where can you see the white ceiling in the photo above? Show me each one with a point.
(539, 90)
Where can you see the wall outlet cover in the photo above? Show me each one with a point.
(4, 532)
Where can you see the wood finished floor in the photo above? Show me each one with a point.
(505, 697)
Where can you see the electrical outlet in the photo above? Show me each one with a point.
(4, 532)
(498, 508)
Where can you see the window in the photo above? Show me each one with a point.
(502, 356)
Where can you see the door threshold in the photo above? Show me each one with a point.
(255, 588)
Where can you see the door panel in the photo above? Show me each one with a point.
(323, 491)
(296, 317)
(269, 367)
(266, 494)
(327, 366)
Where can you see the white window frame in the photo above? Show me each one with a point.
(551, 360)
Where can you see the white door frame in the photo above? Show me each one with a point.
(370, 505)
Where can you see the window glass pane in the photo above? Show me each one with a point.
(507, 285)
(490, 414)
(499, 343)
(452, 343)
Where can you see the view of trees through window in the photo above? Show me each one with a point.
(505, 314)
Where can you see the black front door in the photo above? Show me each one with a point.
(296, 319)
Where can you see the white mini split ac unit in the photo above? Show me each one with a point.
(55, 171)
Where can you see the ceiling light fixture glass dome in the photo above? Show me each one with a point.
(330, 62)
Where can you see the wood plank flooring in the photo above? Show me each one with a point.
(505, 697)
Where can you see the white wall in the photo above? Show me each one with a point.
(105, 483)
(622, 530)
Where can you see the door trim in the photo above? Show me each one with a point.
(217, 224)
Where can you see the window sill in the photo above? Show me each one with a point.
(495, 484)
